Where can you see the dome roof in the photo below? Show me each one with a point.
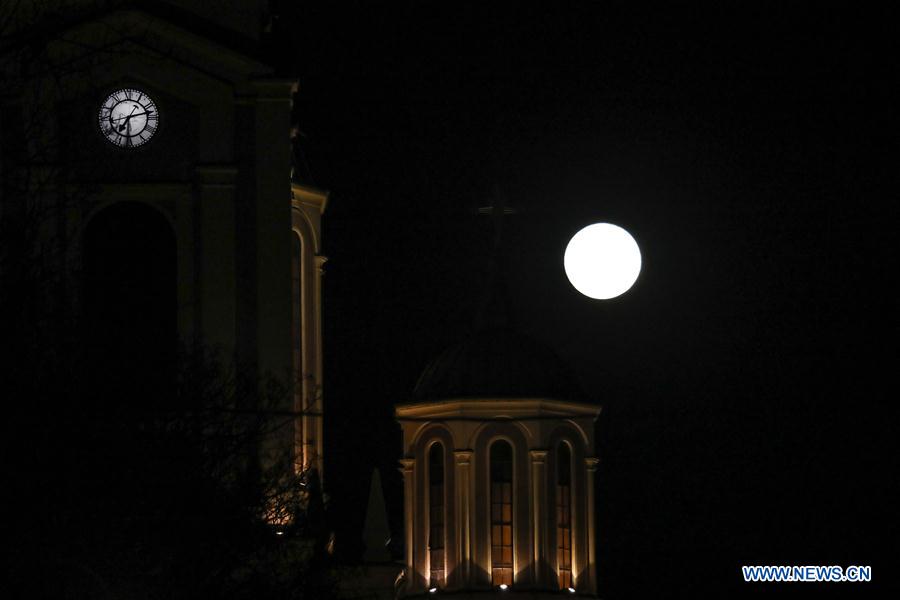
(496, 363)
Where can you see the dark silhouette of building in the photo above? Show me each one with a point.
(156, 142)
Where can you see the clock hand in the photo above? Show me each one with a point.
(146, 112)
(127, 119)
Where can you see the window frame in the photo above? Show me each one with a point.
(502, 514)
(440, 579)
(563, 509)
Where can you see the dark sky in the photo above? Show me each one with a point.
(746, 377)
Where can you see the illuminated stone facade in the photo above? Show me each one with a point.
(509, 480)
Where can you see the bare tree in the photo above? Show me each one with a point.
(169, 497)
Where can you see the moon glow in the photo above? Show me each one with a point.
(602, 261)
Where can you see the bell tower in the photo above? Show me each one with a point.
(498, 471)
(498, 461)
(215, 174)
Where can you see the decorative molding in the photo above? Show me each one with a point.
(307, 195)
(538, 456)
(486, 409)
(463, 457)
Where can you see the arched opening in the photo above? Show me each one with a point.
(501, 459)
(297, 302)
(436, 518)
(302, 456)
(130, 302)
(564, 515)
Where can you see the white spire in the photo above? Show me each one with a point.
(376, 533)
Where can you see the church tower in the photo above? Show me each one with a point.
(498, 470)
(164, 155)
(498, 463)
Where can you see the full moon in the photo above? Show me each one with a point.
(602, 261)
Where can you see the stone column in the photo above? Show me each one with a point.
(463, 460)
(272, 226)
(408, 468)
(314, 427)
(591, 467)
(539, 516)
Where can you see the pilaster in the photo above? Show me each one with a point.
(215, 190)
(408, 469)
(272, 164)
(539, 515)
(590, 464)
(463, 462)
(314, 391)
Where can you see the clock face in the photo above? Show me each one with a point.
(128, 118)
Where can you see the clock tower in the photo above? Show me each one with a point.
(160, 136)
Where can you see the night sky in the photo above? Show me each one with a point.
(746, 378)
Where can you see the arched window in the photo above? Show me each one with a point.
(297, 300)
(501, 513)
(436, 514)
(564, 516)
(303, 454)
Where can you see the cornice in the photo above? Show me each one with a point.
(495, 408)
(307, 195)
